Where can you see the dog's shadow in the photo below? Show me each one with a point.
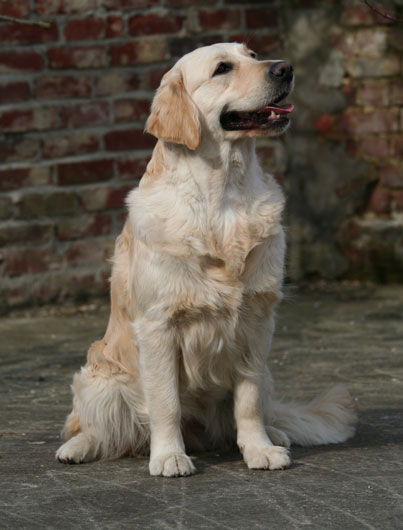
(376, 428)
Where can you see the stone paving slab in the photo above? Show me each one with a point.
(335, 334)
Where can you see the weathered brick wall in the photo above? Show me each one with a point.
(73, 102)
(345, 165)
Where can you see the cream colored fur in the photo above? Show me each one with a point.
(197, 273)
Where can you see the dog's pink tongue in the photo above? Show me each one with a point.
(285, 109)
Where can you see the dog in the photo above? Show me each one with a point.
(197, 274)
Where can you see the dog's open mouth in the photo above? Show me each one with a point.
(270, 116)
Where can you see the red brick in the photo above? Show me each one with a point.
(63, 86)
(377, 121)
(324, 123)
(47, 288)
(84, 29)
(115, 27)
(24, 61)
(89, 252)
(132, 168)
(54, 203)
(69, 284)
(121, 218)
(85, 114)
(20, 34)
(11, 179)
(145, 51)
(18, 9)
(397, 93)
(128, 139)
(373, 93)
(78, 57)
(52, 7)
(375, 146)
(152, 78)
(85, 226)
(152, 24)
(261, 44)
(398, 147)
(362, 67)
(391, 176)
(14, 148)
(126, 5)
(131, 109)
(358, 16)
(219, 19)
(84, 172)
(260, 18)
(15, 233)
(380, 201)
(30, 261)
(398, 201)
(10, 92)
(104, 197)
(111, 83)
(345, 43)
(17, 291)
(37, 119)
(69, 144)
(179, 46)
(371, 41)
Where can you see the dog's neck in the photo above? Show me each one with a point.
(211, 201)
(214, 167)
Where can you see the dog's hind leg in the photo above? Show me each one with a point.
(106, 421)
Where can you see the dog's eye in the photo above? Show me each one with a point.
(223, 68)
(253, 55)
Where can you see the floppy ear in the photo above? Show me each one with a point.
(174, 116)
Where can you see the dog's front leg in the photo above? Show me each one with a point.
(159, 371)
(255, 445)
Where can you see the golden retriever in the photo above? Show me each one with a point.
(197, 273)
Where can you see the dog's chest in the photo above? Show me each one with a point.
(207, 329)
(213, 320)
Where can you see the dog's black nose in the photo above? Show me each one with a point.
(281, 71)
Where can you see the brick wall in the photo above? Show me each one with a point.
(345, 165)
(73, 102)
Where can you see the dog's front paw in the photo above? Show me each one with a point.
(266, 457)
(77, 450)
(172, 465)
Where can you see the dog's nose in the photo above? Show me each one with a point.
(281, 71)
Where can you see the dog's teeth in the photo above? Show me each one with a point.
(272, 114)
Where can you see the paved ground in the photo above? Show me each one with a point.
(350, 334)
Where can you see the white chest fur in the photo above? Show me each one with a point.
(206, 245)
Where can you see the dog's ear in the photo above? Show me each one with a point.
(174, 116)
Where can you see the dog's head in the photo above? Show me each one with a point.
(225, 89)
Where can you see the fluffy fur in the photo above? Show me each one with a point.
(197, 273)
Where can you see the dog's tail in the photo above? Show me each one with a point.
(329, 418)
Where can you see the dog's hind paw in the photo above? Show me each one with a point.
(266, 457)
(172, 465)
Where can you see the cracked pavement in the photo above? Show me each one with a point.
(351, 334)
